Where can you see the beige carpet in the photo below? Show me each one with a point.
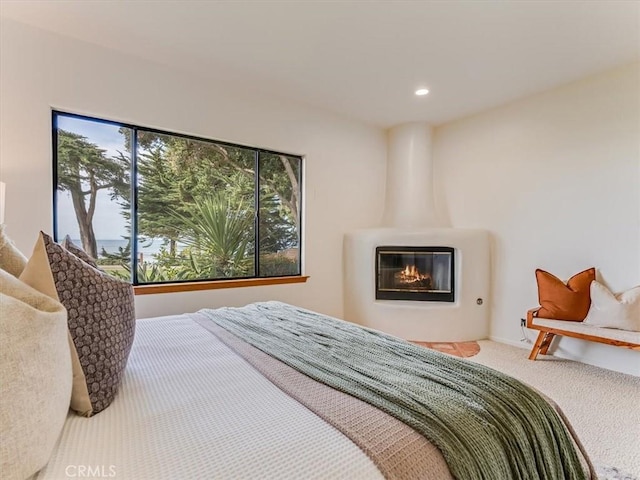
(602, 405)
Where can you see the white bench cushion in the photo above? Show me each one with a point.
(578, 327)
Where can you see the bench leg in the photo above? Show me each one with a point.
(546, 342)
(536, 346)
(542, 344)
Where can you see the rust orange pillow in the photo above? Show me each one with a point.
(562, 301)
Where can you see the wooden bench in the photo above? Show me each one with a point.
(549, 328)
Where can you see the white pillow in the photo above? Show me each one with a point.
(620, 311)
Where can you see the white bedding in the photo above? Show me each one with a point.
(189, 407)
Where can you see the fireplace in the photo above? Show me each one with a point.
(415, 273)
(447, 309)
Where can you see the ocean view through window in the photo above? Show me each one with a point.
(153, 207)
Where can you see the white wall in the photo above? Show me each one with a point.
(344, 165)
(556, 179)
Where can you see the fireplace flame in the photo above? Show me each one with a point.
(411, 274)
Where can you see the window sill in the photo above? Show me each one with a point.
(214, 285)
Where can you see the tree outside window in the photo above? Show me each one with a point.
(153, 206)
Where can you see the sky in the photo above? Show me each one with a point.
(108, 222)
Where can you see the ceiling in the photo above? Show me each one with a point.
(363, 59)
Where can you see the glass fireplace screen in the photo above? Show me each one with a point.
(415, 273)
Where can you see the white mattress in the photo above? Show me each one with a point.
(189, 407)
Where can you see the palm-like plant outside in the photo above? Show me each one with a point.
(217, 234)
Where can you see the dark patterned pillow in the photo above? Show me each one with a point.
(78, 252)
(101, 320)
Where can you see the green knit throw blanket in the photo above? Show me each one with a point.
(486, 424)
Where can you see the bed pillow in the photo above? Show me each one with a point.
(620, 311)
(78, 252)
(35, 376)
(101, 321)
(562, 301)
(11, 259)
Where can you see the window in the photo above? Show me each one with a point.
(158, 207)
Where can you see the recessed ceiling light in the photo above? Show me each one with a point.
(421, 92)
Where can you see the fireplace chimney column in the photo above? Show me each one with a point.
(409, 201)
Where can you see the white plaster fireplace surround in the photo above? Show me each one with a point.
(410, 220)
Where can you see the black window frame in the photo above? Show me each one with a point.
(134, 195)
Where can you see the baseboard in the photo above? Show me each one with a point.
(513, 343)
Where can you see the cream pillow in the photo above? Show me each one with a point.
(620, 311)
(11, 259)
(35, 377)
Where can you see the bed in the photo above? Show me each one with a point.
(199, 401)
